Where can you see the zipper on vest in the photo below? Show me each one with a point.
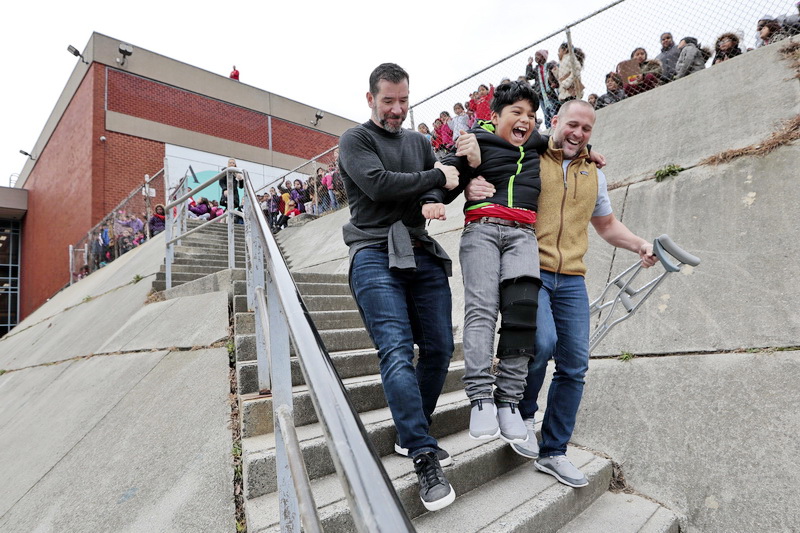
(511, 179)
(561, 223)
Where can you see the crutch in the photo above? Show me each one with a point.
(629, 298)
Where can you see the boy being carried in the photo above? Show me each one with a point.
(499, 260)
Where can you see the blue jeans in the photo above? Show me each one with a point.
(401, 308)
(562, 332)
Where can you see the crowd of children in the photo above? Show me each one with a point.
(559, 81)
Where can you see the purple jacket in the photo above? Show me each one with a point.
(199, 209)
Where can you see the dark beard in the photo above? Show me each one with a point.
(391, 129)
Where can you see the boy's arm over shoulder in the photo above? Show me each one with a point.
(359, 159)
(539, 142)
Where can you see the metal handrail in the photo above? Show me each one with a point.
(180, 203)
(373, 501)
(147, 180)
(279, 180)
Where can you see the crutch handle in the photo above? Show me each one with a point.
(663, 245)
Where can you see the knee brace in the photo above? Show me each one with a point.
(519, 300)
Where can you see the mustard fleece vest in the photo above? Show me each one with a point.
(566, 203)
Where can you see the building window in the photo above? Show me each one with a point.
(9, 274)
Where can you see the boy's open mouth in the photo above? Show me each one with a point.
(519, 132)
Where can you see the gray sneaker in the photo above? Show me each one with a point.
(512, 428)
(434, 489)
(529, 449)
(562, 469)
(483, 420)
(445, 459)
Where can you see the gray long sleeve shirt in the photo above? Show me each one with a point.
(384, 175)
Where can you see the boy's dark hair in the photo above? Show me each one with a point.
(390, 72)
(511, 92)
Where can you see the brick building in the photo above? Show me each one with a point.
(122, 116)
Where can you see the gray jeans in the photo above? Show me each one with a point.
(490, 254)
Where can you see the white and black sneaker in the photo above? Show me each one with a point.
(444, 458)
(434, 490)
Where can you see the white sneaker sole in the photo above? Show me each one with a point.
(514, 441)
(529, 455)
(486, 437)
(441, 503)
(553, 473)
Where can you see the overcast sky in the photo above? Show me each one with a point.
(318, 53)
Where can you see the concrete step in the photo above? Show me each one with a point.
(258, 453)
(323, 320)
(348, 364)
(318, 289)
(335, 340)
(624, 513)
(181, 277)
(215, 252)
(474, 476)
(189, 268)
(365, 392)
(316, 277)
(522, 499)
(337, 319)
(213, 246)
(330, 303)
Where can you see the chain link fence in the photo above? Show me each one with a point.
(616, 52)
(133, 221)
(314, 188)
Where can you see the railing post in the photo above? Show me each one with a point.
(231, 207)
(281, 396)
(248, 260)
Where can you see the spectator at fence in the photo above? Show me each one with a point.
(100, 244)
(157, 221)
(273, 206)
(668, 57)
(139, 238)
(291, 212)
(692, 57)
(592, 100)
(216, 210)
(543, 84)
(615, 91)
(201, 210)
(297, 194)
(315, 189)
(442, 138)
(423, 129)
(327, 181)
(460, 122)
(570, 86)
(770, 31)
(480, 104)
(649, 78)
(726, 47)
(238, 183)
(791, 23)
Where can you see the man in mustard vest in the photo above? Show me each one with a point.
(573, 194)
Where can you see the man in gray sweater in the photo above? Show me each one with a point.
(398, 273)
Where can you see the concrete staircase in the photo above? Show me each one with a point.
(497, 489)
(202, 253)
